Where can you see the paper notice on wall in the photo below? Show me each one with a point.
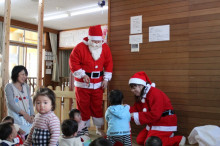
(134, 47)
(136, 39)
(159, 33)
(48, 71)
(136, 24)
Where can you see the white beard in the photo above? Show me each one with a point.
(95, 49)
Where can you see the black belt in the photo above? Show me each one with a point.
(168, 112)
(95, 74)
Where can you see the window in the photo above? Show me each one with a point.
(16, 34)
(23, 50)
(31, 37)
(31, 62)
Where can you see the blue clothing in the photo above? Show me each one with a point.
(118, 118)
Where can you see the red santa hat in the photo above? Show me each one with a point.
(140, 78)
(95, 33)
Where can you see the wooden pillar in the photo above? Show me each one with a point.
(5, 52)
(40, 41)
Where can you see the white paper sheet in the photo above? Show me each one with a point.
(134, 47)
(48, 71)
(159, 33)
(136, 24)
(136, 39)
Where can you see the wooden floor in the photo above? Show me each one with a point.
(94, 136)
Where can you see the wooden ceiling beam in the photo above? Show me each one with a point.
(29, 25)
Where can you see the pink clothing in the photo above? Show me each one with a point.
(48, 121)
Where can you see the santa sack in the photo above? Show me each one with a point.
(208, 135)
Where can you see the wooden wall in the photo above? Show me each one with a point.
(186, 68)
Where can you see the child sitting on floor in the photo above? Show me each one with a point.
(82, 131)
(18, 140)
(100, 142)
(69, 129)
(7, 134)
(118, 118)
(153, 141)
(46, 127)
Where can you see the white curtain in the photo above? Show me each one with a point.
(53, 42)
(1, 37)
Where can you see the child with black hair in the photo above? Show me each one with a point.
(100, 142)
(18, 140)
(46, 126)
(7, 134)
(82, 131)
(153, 141)
(118, 118)
(69, 129)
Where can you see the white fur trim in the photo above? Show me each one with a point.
(144, 110)
(85, 85)
(162, 128)
(107, 76)
(85, 42)
(153, 85)
(87, 123)
(137, 81)
(136, 118)
(79, 73)
(98, 121)
(95, 38)
(143, 100)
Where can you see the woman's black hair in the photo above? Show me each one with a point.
(73, 112)
(115, 97)
(5, 130)
(16, 70)
(7, 118)
(46, 92)
(69, 127)
(138, 98)
(101, 141)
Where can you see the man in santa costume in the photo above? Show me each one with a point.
(153, 109)
(91, 64)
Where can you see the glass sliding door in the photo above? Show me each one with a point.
(31, 62)
(16, 56)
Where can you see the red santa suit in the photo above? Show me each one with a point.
(156, 112)
(90, 97)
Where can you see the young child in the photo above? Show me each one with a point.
(118, 118)
(153, 141)
(69, 129)
(18, 140)
(7, 134)
(100, 142)
(46, 126)
(82, 131)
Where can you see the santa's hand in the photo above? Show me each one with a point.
(132, 115)
(104, 84)
(86, 79)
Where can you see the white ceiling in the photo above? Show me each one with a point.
(27, 11)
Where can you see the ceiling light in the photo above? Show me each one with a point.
(75, 12)
(88, 11)
(58, 16)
